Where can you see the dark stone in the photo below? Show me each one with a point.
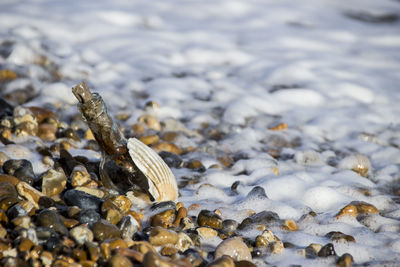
(51, 219)
(15, 211)
(53, 243)
(210, 219)
(234, 187)
(161, 206)
(261, 218)
(46, 202)
(364, 16)
(20, 168)
(244, 263)
(68, 133)
(230, 225)
(339, 236)
(256, 253)
(103, 230)
(171, 159)
(257, 192)
(6, 109)
(88, 216)
(82, 200)
(7, 189)
(327, 250)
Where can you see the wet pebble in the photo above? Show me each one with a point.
(264, 218)
(161, 206)
(51, 219)
(257, 192)
(346, 260)
(339, 236)
(47, 132)
(79, 176)
(53, 182)
(327, 250)
(9, 179)
(128, 226)
(210, 219)
(119, 261)
(160, 236)
(358, 163)
(82, 200)
(88, 217)
(206, 232)
(164, 219)
(7, 190)
(20, 168)
(223, 261)
(184, 241)
(172, 160)
(16, 211)
(234, 247)
(103, 230)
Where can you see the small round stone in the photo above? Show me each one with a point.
(257, 193)
(160, 237)
(164, 219)
(53, 182)
(88, 216)
(128, 226)
(171, 159)
(365, 208)
(348, 210)
(20, 168)
(210, 219)
(339, 236)
(223, 261)
(103, 230)
(327, 250)
(264, 218)
(7, 190)
(82, 200)
(50, 218)
(119, 261)
(346, 260)
(234, 247)
(206, 232)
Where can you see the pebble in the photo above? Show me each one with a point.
(169, 147)
(348, 210)
(20, 168)
(83, 200)
(327, 250)
(122, 203)
(171, 159)
(22, 221)
(257, 193)
(41, 114)
(160, 236)
(9, 179)
(346, 260)
(182, 213)
(234, 247)
(223, 261)
(210, 219)
(113, 216)
(161, 206)
(265, 238)
(264, 218)
(206, 232)
(119, 261)
(47, 132)
(358, 163)
(128, 226)
(26, 128)
(79, 176)
(7, 202)
(29, 193)
(364, 207)
(276, 247)
(151, 259)
(53, 182)
(290, 225)
(339, 236)
(3, 158)
(184, 242)
(88, 217)
(244, 264)
(81, 234)
(164, 219)
(7, 190)
(50, 218)
(149, 139)
(103, 230)
(16, 211)
(150, 121)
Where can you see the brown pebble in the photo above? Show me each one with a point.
(169, 147)
(143, 247)
(346, 260)
(79, 176)
(25, 245)
(151, 259)
(122, 203)
(9, 179)
(182, 213)
(160, 236)
(30, 193)
(130, 253)
(22, 221)
(348, 210)
(7, 75)
(234, 247)
(170, 136)
(276, 247)
(206, 232)
(26, 128)
(103, 230)
(69, 223)
(279, 127)
(47, 132)
(53, 182)
(7, 202)
(105, 250)
(194, 164)
(79, 254)
(290, 225)
(41, 114)
(113, 216)
(137, 215)
(364, 207)
(223, 261)
(91, 191)
(138, 128)
(94, 250)
(120, 261)
(81, 234)
(164, 219)
(149, 139)
(3, 232)
(87, 263)
(169, 251)
(150, 122)
(226, 161)
(46, 257)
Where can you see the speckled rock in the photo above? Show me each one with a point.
(81, 234)
(88, 216)
(103, 230)
(122, 203)
(50, 218)
(160, 236)
(20, 168)
(53, 182)
(234, 247)
(265, 238)
(210, 219)
(82, 200)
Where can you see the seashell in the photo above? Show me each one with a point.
(162, 183)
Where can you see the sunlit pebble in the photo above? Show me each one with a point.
(234, 247)
(358, 163)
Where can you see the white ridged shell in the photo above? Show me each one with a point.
(162, 183)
